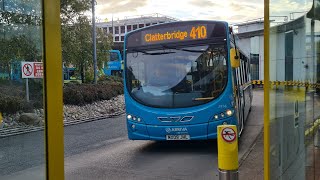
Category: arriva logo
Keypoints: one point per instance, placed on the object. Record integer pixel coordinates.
(169, 130)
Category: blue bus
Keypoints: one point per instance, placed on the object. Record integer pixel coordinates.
(69, 75)
(114, 66)
(15, 71)
(183, 79)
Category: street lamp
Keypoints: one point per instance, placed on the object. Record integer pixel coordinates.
(94, 42)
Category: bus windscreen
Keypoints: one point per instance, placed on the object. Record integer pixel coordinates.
(175, 65)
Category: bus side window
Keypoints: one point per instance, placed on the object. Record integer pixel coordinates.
(242, 72)
(238, 76)
(247, 69)
(247, 72)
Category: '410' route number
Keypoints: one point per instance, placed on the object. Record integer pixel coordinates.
(199, 32)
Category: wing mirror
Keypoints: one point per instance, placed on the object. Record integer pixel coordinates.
(234, 58)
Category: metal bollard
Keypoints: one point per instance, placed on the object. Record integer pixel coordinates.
(228, 164)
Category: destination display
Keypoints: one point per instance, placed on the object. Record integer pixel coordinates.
(181, 33)
(176, 32)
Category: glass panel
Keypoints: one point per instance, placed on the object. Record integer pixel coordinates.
(129, 28)
(194, 72)
(122, 30)
(22, 153)
(135, 27)
(294, 104)
(116, 29)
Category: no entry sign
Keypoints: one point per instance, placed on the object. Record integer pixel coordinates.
(32, 69)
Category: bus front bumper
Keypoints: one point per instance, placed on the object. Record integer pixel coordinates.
(138, 131)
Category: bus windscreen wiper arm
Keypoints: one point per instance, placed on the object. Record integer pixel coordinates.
(155, 53)
(202, 99)
(188, 50)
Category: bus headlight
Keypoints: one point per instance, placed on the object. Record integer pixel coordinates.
(229, 112)
(222, 115)
(134, 118)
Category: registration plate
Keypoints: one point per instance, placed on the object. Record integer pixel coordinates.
(178, 137)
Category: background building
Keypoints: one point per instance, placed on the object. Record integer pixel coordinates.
(251, 37)
(118, 28)
(250, 34)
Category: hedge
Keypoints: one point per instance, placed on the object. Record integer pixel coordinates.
(12, 95)
(81, 94)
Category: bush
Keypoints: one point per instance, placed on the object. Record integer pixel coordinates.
(81, 94)
(107, 79)
(89, 76)
(12, 104)
(13, 96)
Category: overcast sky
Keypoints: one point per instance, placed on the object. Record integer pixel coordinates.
(228, 10)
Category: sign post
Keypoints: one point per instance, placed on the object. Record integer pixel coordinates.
(227, 138)
(31, 70)
(27, 89)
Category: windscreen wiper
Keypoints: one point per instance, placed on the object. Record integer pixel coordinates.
(202, 99)
(188, 50)
(155, 53)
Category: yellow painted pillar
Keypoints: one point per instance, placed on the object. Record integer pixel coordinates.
(227, 138)
(266, 117)
(1, 125)
(53, 90)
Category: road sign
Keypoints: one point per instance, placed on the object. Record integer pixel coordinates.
(228, 134)
(38, 70)
(32, 69)
(27, 70)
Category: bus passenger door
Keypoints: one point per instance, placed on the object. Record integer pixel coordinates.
(236, 64)
(239, 98)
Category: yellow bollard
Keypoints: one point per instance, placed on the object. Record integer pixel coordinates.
(228, 164)
(1, 125)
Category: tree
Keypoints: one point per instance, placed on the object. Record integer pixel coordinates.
(20, 34)
(77, 37)
(104, 44)
(17, 48)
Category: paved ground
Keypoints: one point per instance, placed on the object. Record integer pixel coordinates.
(101, 150)
(313, 154)
(105, 153)
(251, 163)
